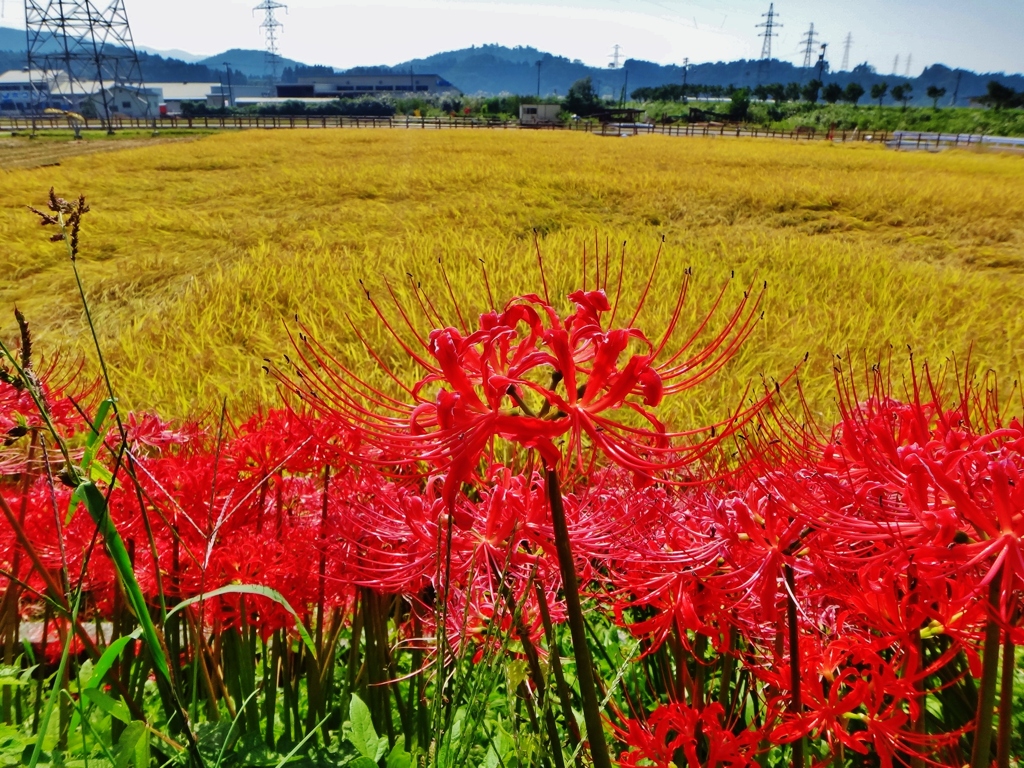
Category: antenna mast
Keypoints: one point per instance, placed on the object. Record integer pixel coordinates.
(810, 42)
(75, 49)
(846, 52)
(270, 26)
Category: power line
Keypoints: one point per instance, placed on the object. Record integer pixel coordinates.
(846, 52)
(270, 25)
(811, 42)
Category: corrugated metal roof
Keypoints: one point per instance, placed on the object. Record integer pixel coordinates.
(184, 91)
(22, 76)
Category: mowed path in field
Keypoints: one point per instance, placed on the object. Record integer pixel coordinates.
(45, 151)
(197, 256)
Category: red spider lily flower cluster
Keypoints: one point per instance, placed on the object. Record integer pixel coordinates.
(833, 587)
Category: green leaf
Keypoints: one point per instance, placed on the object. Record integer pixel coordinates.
(127, 745)
(77, 497)
(13, 674)
(363, 735)
(362, 762)
(113, 707)
(89, 467)
(97, 506)
(100, 473)
(253, 589)
(106, 661)
(95, 437)
(516, 673)
(399, 758)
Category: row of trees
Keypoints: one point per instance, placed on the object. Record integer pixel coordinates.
(1000, 96)
(810, 92)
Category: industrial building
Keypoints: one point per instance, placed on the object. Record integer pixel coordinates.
(341, 86)
(23, 92)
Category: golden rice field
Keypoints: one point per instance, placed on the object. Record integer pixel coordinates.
(197, 256)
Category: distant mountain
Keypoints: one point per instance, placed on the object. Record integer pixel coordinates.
(156, 68)
(174, 53)
(250, 62)
(492, 69)
(12, 39)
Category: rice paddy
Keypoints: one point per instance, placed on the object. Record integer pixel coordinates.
(197, 256)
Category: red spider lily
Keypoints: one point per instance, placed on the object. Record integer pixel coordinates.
(701, 737)
(856, 699)
(533, 377)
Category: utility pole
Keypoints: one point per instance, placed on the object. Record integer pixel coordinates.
(625, 87)
(538, 78)
(686, 66)
(270, 25)
(811, 42)
(846, 52)
(231, 98)
(821, 61)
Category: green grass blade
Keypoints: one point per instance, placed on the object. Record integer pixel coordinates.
(253, 589)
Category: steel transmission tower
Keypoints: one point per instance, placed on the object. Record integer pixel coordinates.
(910, 57)
(270, 26)
(896, 64)
(615, 55)
(769, 26)
(846, 52)
(810, 43)
(76, 49)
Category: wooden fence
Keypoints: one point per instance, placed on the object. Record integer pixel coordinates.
(921, 140)
(895, 139)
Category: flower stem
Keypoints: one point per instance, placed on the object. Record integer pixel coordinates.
(796, 702)
(577, 627)
(1006, 704)
(981, 753)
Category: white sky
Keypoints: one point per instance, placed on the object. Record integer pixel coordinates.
(983, 35)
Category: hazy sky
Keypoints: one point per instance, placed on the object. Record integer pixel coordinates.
(983, 35)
